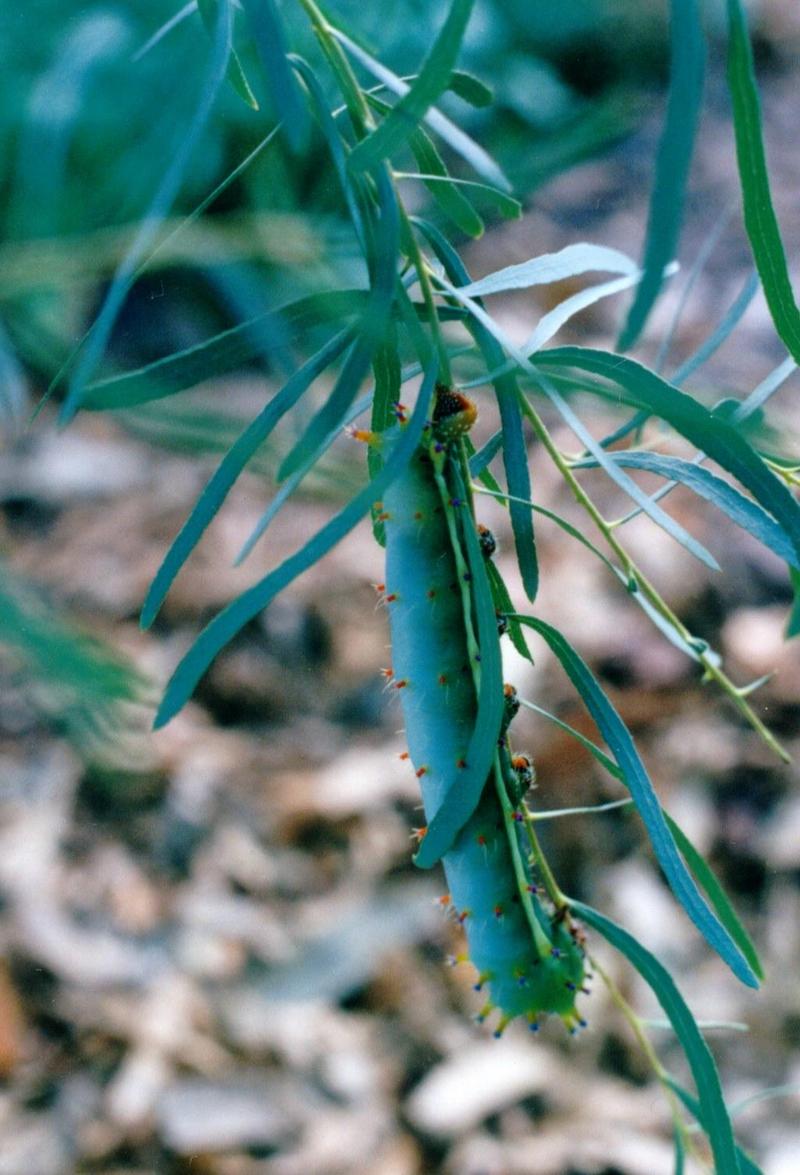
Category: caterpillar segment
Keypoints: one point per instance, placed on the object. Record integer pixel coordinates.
(528, 961)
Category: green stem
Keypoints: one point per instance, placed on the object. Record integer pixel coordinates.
(637, 1027)
(641, 583)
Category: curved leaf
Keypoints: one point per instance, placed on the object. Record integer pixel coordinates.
(229, 469)
(743, 511)
(570, 261)
(223, 352)
(97, 339)
(431, 82)
(621, 745)
(233, 618)
(709, 431)
(746, 1164)
(715, 1119)
(672, 164)
(268, 33)
(716, 895)
(371, 329)
(759, 214)
(457, 139)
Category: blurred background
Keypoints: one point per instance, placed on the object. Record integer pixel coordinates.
(217, 957)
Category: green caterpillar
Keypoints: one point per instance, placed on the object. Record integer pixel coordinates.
(528, 956)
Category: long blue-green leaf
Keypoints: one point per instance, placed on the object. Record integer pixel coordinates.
(503, 603)
(622, 747)
(327, 123)
(463, 796)
(236, 75)
(759, 214)
(709, 431)
(371, 330)
(486, 454)
(233, 618)
(730, 320)
(674, 529)
(222, 352)
(612, 470)
(431, 82)
(460, 142)
(440, 184)
(289, 486)
(161, 203)
(13, 389)
(746, 1164)
(515, 455)
(552, 322)
(470, 89)
(270, 40)
(714, 1114)
(672, 163)
(229, 469)
(793, 623)
(570, 261)
(743, 511)
(716, 896)
(596, 752)
(437, 179)
(194, 215)
(767, 388)
(179, 17)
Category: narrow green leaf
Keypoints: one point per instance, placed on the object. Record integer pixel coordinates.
(233, 618)
(229, 469)
(463, 795)
(455, 138)
(622, 747)
(470, 89)
(672, 163)
(709, 431)
(480, 460)
(437, 178)
(596, 752)
(503, 603)
(349, 183)
(715, 1119)
(222, 352)
(431, 82)
(730, 320)
(716, 896)
(743, 511)
(268, 33)
(759, 214)
(97, 339)
(515, 455)
(612, 470)
(746, 1165)
(386, 244)
(568, 262)
(793, 623)
(177, 19)
(446, 194)
(236, 75)
(289, 486)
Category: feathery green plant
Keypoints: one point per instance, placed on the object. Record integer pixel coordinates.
(407, 313)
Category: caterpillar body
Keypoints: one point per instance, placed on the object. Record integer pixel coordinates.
(526, 955)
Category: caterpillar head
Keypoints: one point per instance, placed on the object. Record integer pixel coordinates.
(453, 413)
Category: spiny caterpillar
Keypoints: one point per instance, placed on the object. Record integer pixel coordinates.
(527, 954)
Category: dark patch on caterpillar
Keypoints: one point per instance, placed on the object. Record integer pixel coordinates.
(453, 413)
(487, 541)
